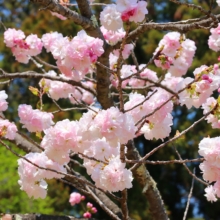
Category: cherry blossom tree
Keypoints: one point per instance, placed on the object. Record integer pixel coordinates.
(119, 100)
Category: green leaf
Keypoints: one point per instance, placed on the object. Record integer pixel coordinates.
(35, 91)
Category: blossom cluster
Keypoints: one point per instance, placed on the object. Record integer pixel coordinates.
(213, 118)
(175, 53)
(209, 148)
(76, 56)
(113, 15)
(199, 90)
(32, 178)
(214, 39)
(3, 102)
(76, 198)
(98, 135)
(157, 125)
(34, 120)
(7, 129)
(22, 47)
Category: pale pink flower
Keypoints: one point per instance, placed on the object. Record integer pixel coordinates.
(112, 37)
(59, 140)
(32, 178)
(136, 14)
(125, 52)
(210, 172)
(157, 130)
(12, 37)
(214, 39)
(34, 120)
(110, 18)
(115, 126)
(115, 177)
(57, 89)
(35, 45)
(20, 55)
(3, 103)
(49, 39)
(210, 193)
(7, 129)
(135, 99)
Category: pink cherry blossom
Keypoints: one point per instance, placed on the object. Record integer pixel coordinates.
(59, 140)
(57, 89)
(7, 129)
(112, 37)
(115, 126)
(34, 120)
(75, 198)
(87, 215)
(3, 103)
(12, 37)
(32, 178)
(115, 176)
(110, 18)
(214, 39)
(210, 194)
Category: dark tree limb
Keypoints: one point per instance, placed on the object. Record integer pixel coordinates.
(103, 76)
(150, 189)
(32, 74)
(54, 6)
(182, 27)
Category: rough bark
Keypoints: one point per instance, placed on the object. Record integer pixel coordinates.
(102, 76)
(148, 184)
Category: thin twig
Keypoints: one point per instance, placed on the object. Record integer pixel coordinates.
(189, 197)
(45, 63)
(189, 171)
(102, 205)
(172, 139)
(158, 162)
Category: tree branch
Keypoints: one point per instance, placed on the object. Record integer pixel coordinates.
(54, 6)
(32, 74)
(150, 190)
(181, 27)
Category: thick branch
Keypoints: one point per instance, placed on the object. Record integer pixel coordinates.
(150, 190)
(54, 6)
(103, 81)
(182, 27)
(32, 74)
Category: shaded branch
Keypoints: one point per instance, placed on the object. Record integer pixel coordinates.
(181, 27)
(148, 185)
(32, 74)
(54, 6)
